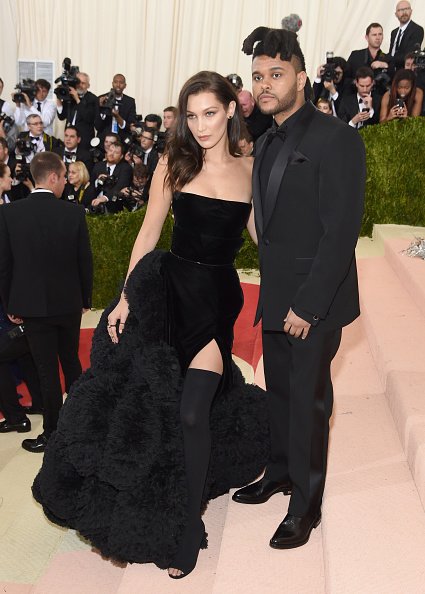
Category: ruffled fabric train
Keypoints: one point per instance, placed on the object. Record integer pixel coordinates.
(114, 469)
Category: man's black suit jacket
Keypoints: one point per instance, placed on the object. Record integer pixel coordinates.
(127, 110)
(349, 106)
(412, 36)
(362, 57)
(306, 244)
(45, 257)
(86, 114)
(124, 174)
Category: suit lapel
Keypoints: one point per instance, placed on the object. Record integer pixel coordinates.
(281, 162)
(256, 194)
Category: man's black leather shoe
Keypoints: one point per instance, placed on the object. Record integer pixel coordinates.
(294, 531)
(21, 427)
(35, 445)
(33, 410)
(261, 491)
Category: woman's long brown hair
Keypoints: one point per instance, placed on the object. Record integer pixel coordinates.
(185, 157)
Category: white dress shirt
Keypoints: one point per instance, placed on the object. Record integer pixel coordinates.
(47, 114)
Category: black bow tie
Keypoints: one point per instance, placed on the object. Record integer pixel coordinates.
(69, 155)
(36, 138)
(276, 132)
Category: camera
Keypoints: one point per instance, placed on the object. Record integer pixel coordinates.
(382, 80)
(24, 172)
(28, 87)
(160, 141)
(329, 69)
(110, 102)
(99, 209)
(419, 59)
(25, 146)
(96, 152)
(400, 103)
(7, 122)
(67, 79)
(107, 182)
(132, 143)
(131, 199)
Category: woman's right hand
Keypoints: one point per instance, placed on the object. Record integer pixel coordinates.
(117, 319)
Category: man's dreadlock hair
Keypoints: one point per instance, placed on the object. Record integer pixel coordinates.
(270, 42)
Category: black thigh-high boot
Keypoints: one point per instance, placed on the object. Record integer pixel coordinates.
(198, 394)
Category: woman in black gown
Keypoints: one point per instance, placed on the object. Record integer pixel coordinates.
(163, 421)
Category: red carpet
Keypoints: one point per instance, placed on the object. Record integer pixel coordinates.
(246, 346)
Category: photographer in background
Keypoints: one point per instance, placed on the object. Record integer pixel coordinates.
(107, 180)
(136, 195)
(169, 118)
(404, 99)
(255, 121)
(415, 61)
(371, 56)
(40, 105)
(73, 150)
(331, 82)
(81, 111)
(361, 108)
(116, 111)
(21, 179)
(8, 128)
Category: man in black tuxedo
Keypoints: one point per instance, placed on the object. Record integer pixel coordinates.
(371, 56)
(308, 186)
(107, 180)
(361, 108)
(46, 281)
(73, 150)
(81, 111)
(123, 113)
(407, 37)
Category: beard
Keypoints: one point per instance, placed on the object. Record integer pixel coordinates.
(283, 105)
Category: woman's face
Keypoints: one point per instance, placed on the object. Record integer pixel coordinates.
(207, 118)
(403, 88)
(6, 181)
(324, 107)
(73, 175)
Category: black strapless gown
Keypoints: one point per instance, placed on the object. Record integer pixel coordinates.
(114, 469)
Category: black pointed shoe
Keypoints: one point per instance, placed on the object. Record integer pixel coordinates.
(294, 531)
(22, 427)
(33, 410)
(261, 491)
(35, 445)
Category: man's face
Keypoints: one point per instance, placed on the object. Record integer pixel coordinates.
(3, 153)
(108, 141)
(275, 85)
(35, 126)
(375, 37)
(114, 154)
(364, 86)
(409, 64)
(59, 182)
(146, 140)
(245, 147)
(41, 93)
(84, 83)
(70, 139)
(247, 104)
(403, 12)
(118, 84)
(168, 119)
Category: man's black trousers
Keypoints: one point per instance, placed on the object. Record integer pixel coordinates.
(300, 400)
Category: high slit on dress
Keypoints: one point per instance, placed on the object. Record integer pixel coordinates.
(114, 469)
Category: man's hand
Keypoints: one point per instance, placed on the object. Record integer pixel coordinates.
(320, 71)
(74, 94)
(362, 116)
(378, 64)
(296, 326)
(330, 86)
(367, 101)
(117, 116)
(15, 319)
(99, 200)
(102, 100)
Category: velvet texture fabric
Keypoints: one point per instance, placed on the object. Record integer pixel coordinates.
(114, 469)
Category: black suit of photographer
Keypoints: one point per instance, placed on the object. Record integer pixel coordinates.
(127, 110)
(124, 176)
(84, 114)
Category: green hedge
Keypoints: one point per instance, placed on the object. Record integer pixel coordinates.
(395, 193)
(395, 186)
